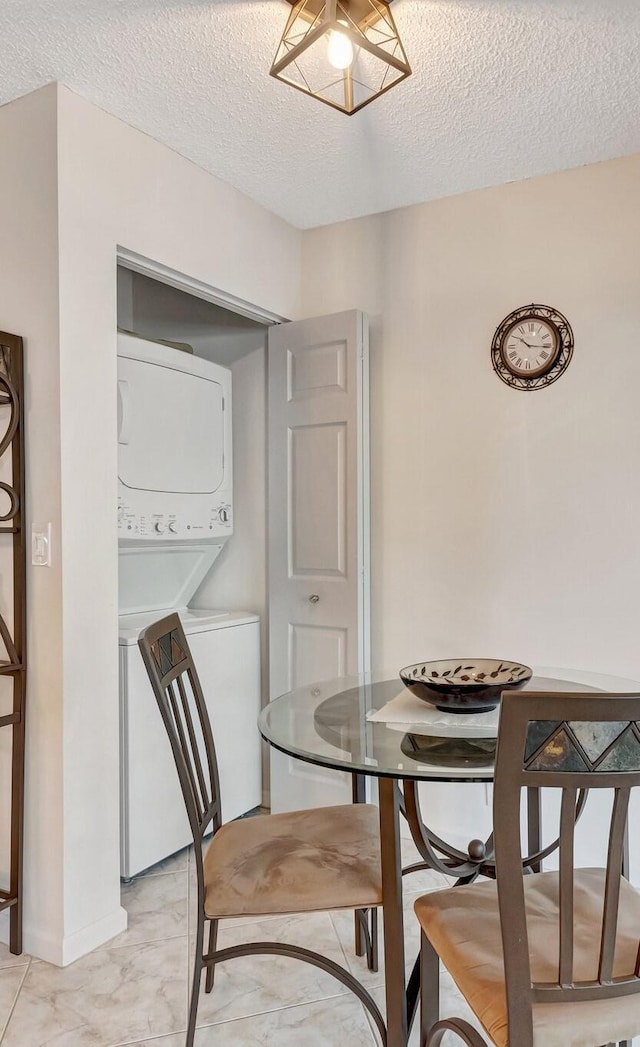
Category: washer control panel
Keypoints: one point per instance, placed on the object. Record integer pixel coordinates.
(216, 522)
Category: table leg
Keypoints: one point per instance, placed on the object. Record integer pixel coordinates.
(397, 1023)
(359, 795)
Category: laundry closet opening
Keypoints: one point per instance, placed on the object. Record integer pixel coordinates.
(192, 535)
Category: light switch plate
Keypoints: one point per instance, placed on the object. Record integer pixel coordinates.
(41, 545)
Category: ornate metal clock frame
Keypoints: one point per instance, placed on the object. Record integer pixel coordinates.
(559, 361)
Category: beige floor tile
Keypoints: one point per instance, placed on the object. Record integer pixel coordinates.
(175, 1039)
(7, 959)
(174, 863)
(156, 907)
(335, 1022)
(256, 984)
(112, 996)
(343, 923)
(327, 1023)
(11, 979)
(425, 879)
(452, 1004)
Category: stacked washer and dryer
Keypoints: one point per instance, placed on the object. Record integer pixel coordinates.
(175, 513)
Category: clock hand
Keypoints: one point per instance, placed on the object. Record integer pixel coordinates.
(519, 339)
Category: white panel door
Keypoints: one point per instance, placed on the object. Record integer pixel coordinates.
(318, 524)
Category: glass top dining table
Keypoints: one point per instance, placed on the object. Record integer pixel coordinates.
(329, 723)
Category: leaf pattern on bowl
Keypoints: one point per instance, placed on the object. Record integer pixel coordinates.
(503, 673)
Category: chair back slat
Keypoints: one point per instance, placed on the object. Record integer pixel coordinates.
(569, 743)
(612, 884)
(194, 746)
(178, 717)
(567, 824)
(179, 695)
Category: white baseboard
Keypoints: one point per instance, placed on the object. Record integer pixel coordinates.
(89, 938)
(63, 952)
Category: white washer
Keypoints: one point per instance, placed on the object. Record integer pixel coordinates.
(226, 651)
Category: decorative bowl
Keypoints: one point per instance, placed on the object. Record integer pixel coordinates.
(469, 685)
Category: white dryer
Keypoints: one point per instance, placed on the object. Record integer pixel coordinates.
(175, 472)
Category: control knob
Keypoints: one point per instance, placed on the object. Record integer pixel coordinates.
(224, 516)
(173, 528)
(159, 527)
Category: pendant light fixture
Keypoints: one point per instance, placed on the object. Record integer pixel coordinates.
(346, 53)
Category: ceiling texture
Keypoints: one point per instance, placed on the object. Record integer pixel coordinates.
(501, 90)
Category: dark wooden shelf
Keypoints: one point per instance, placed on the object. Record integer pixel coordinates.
(14, 665)
(6, 668)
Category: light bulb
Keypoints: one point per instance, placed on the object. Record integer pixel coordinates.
(340, 50)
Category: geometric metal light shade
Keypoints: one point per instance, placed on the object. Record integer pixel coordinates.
(346, 53)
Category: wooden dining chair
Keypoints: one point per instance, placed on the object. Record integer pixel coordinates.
(299, 862)
(550, 959)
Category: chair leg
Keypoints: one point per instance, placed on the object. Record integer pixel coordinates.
(366, 935)
(211, 967)
(197, 976)
(429, 988)
(372, 953)
(360, 945)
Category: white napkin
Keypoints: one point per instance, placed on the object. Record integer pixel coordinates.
(406, 712)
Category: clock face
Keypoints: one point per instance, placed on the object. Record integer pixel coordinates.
(530, 347)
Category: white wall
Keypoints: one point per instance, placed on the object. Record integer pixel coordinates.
(29, 307)
(115, 186)
(504, 523)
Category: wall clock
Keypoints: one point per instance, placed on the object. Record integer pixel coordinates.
(532, 347)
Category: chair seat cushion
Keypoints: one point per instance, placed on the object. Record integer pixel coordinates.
(463, 925)
(302, 861)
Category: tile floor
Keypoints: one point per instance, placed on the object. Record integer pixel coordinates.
(134, 990)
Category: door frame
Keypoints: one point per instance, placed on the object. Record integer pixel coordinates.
(364, 500)
(166, 275)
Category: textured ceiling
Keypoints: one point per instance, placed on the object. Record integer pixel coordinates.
(502, 89)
